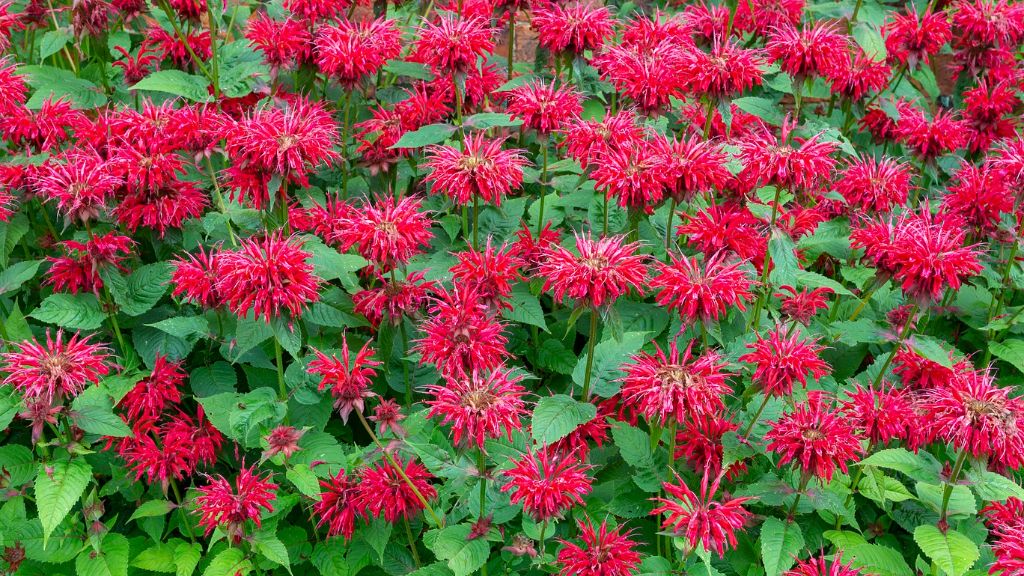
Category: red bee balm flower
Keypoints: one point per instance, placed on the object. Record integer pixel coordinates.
(781, 360)
(351, 51)
(700, 518)
(460, 335)
(815, 437)
(701, 293)
(575, 28)
(394, 299)
(479, 407)
(156, 392)
(349, 380)
(453, 44)
(221, 505)
(337, 507)
(267, 276)
(881, 415)
(910, 38)
(385, 232)
(544, 107)
(769, 160)
(382, 491)
(870, 185)
(604, 552)
(482, 170)
(816, 50)
(55, 370)
(195, 277)
(822, 566)
(675, 387)
(604, 270)
(547, 485)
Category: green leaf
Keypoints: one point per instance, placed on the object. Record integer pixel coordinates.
(953, 552)
(186, 558)
(190, 86)
(52, 42)
(409, 69)
(525, 308)
(931, 348)
(75, 311)
(304, 479)
(230, 562)
(17, 274)
(917, 466)
(815, 280)
(990, 486)
(876, 559)
(152, 508)
(784, 263)
(56, 83)
(1010, 351)
(609, 357)
(17, 461)
(377, 533)
(425, 136)
(763, 108)
(59, 485)
(270, 546)
(557, 416)
(159, 558)
(781, 542)
(183, 326)
(452, 545)
(111, 560)
(93, 411)
(870, 40)
(485, 120)
(142, 289)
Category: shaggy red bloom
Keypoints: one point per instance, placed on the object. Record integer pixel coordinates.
(57, 369)
(880, 124)
(674, 387)
(988, 113)
(815, 437)
(648, 31)
(604, 552)
(924, 252)
(547, 485)
(649, 76)
(870, 185)
(692, 166)
(727, 70)
(13, 91)
(45, 128)
(161, 208)
(823, 566)
(452, 44)
(337, 508)
(603, 270)
(910, 38)
(79, 181)
(815, 50)
(726, 227)
(919, 373)
(976, 416)
(770, 160)
(481, 170)
(637, 176)
(1008, 161)
(700, 518)
(350, 51)
(157, 462)
(490, 272)
(385, 232)
(136, 67)
(528, 250)
(544, 107)
(763, 17)
(394, 299)
(575, 27)
(1008, 549)
(460, 336)
(155, 393)
(588, 140)
(388, 416)
(348, 378)
(980, 197)
(382, 491)
(221, 505)
(699, 441)
(267, 276)
(313, 10)
(862, 76)
(289, 142)
(701, 293)
(781, 360)
(929, 139)
(283, 43)
(80, 268)
(881, 415)
(803, 305)
(201, 438)
(283, 440)
(989, 22)
(195, 278)
(479, 406)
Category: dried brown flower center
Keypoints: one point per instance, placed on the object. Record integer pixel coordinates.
(813, 435)
(479, 400)
(676, 376)
(286, 142)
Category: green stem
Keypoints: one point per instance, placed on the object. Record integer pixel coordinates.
(804, 479)
(282, 390)
(405, 364)
(214, 68)
(668, 230)
(221, 206)
(476, 222)
(181, 510)
(953, 477)
(183, 39)
(899, 343)
(412, 543)
(543, 192)
(511, 40)
(766, 266)
(864, 301)
(760, 409)
(996, 308)
(590, 354)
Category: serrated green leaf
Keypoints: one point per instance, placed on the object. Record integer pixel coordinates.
(52, 42)
(159, 558)
(111, 560)
(920, 466)
(141, 290)
(93, 412)
(781, 542)
(990, 486)
(270, 546)
(304, 479)
(425, 136)
(485, 120)
(877, 559)
(784, 262)
(932, 349)
(952, 552)
(75, 311)
(525, 308)
(59, 484)
(609, 358)
(183, 326)
(189, 86)
(870, 41)
(1010, 351)
(556, 416)
(230, 562)
(55, 83)
(186, 558)
(452, 545)
(763, 108)
(17, 274)
(152, 508)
